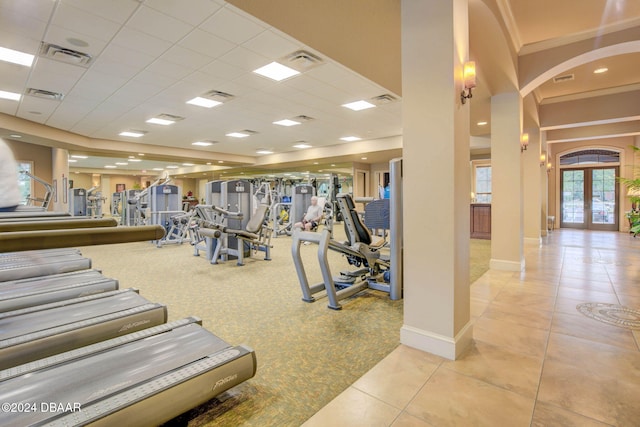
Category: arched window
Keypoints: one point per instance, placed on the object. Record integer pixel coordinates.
(589, 157)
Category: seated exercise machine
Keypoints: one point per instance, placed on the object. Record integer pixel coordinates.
(210, 224)
(39, 203)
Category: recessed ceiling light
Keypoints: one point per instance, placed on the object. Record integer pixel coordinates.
(358, 105)
(600, 70)
(135, 160)
(350, 138)
(110, 166)
(77, 156)
(16, 57)
(15, 135)
(122, 163)
(132, 157)
(276, 71)
(332, 164)
(363, 158)
(157, 169)
(202, 143)
(157, 121)
(287, 174)
(316, 163)
(237, 134)
(10, 95)
(286, 122)
(140, 154)
(264, 152)
(132, 133)
(203, 102)
(302, 146)
(210, 163)
(219, 161)
(188, 164)
(172, 167)
(72, 160)
(482, 123)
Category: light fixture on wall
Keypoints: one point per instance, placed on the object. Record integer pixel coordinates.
(524, 142)
(543, 159)
(469, 80)
(549, 167)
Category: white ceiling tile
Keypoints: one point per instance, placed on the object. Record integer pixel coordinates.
(206, 43)
(272, 45)
(222, 70)
(197, 11)
(31, 104)
(88, 129)
(127, 57)
(169, 69)
(114, 68)
(68, 114)
(54, 76)
(22, 24)
(37, 9)
(59, 35)
(154, 79)
(17, 42)
(114, 10)
(254, 81)
(85, 23)
(244, 59)
(96, 85)
(203, 80)
(134, 93)
(159, 25)
(14, 77)
(232, 26)
(186, 57)
(8, 107)
(136, 40)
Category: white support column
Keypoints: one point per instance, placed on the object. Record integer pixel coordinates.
(531, 185)
(544, 186)
(436, 181)
(60, 172)
(506, 183)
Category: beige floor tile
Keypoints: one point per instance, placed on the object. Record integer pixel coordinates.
(538, 287)
(354, 408)
(496, 365)
(581, 326)
(631, 301)
(626, 289)
(636, 335)
(452, 399)
(591, 285)
(520, 315)
(527, 299)
(399, 376)
(549, 276)
(478, 307)
(546, 415)
(485, 291)
(518, 338)
(586, 295)
(406, 420)
(567, 305)
(600, 276)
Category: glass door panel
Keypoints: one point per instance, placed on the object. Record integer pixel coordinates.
(573, 191)
(589, 198)
(604, 209)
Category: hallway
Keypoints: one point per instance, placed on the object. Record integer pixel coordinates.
(535, 360)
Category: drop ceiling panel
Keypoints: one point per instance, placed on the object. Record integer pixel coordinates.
(133, 93)
(114, 68)
(114, 10)
(8, 107)
(202, 80)
(59, 35)
(83, 22)
(194, 14)
(29, 104)
(206, 43)
(222, 70)
(169, 69)
(55, 76)
(126, 57)
(68, 114)
(254, 81)
(98, 86)
(141, 42)
(272, 45)
(245, 59)
(32, 8)
(153, 79)
(14, 77)
(19, 42)
(330, 93)
(232, 26)
(186, 57)
(17, 21)
(158, 25)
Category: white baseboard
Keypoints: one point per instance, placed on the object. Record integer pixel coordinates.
(501, 264)
(532, 241)
(437, 344)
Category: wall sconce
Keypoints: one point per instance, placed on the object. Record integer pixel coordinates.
(524, 142)
(549, 167)
(469, 80)
(543, 159)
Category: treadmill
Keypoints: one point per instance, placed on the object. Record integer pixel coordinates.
(145, 378)
(41, 331)
(17, 294)
(42, 266)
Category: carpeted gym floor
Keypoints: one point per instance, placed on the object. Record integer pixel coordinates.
(307, 354)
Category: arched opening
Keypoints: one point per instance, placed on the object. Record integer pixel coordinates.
(589, 191)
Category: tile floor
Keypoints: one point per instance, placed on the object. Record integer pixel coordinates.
(535, 360)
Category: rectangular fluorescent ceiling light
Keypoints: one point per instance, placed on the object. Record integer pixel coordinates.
(122, 163)
(276, 71)
(302, 146)
(350, 138)
(163, 122)
(237, 135)
(16, 57)
(203, 102)
(132, 133)
(157, 169)
(77, 156)
(188, 164)
(172, 167)
(72, 160)
(110, 166)
(135, 160)
(264, 152)
(202, 143)
(358, 105)
(10, 95)
(286, 122)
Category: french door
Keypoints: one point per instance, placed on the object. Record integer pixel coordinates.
(589, 198)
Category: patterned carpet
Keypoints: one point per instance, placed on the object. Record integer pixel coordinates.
(307, 354)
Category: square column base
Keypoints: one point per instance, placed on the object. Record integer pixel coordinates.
(440, 345)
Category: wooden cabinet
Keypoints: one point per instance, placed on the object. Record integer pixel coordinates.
(481, 221)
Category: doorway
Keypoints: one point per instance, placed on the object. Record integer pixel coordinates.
(589, 198)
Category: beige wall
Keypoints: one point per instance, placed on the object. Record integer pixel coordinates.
(41, 158)
(627, 165)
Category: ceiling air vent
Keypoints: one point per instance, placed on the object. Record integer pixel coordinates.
(170, 117)
(249, 131)
(564, 78)
(383, 99)
(302, 60)
(216, 95)
(64, 54)
(302, 118)
(46, 94)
